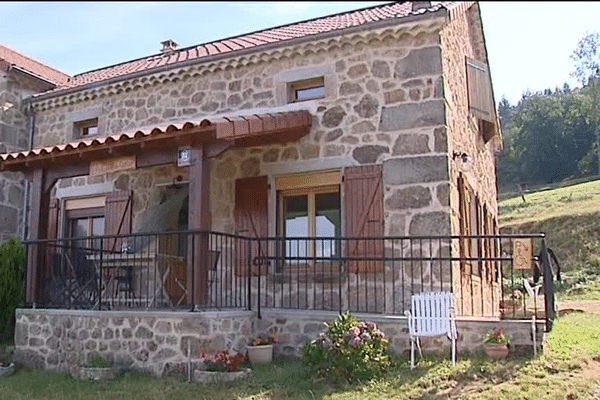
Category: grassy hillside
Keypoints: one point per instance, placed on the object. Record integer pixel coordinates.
(570, 218)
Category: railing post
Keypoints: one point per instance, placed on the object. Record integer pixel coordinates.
(259, 280)
(548, 287)
(248, 269)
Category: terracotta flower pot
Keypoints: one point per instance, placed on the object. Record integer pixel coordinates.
(7, 370)
(496, 351)
(260, 354)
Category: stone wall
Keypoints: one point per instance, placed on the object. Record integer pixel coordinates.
(14, 136)
(159, 341)
(154, 341)
(383, 106)
(459, 39)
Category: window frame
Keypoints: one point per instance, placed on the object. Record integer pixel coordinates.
(83, 127)
(310, 185)
(306, 84)
(83, 208)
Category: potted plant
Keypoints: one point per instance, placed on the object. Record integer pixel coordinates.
(7, 367)
(97, 368)
(496, 344)
(260, 349)
(221, 367)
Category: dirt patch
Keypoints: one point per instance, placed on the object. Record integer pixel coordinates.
(591, 306)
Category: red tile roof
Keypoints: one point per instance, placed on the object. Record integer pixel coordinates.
(11, 57)
(279, 34)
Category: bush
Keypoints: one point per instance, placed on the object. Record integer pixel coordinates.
(12, 265)
(349, 350)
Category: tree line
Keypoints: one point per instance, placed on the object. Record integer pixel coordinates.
(552, 135)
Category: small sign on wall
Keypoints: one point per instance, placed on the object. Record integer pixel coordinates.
(112, 165)
(523, 254)
(183, 157)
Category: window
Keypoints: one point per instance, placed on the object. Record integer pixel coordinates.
(309, 213)
(308, 89)
(87, 128)
(481, 101)
(84, 220)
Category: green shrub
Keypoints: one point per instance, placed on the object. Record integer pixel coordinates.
(12, 265)
(349, 350)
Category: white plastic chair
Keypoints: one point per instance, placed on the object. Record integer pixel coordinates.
(432, 315)
(533, 294)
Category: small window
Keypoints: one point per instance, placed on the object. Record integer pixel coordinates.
(308, 89)
(87, 128)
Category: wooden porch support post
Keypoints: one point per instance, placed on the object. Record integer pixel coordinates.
(199, 219)
(40, 201)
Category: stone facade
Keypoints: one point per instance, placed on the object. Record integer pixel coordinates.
(381, 107)
(395, 96)
(14, 136)
(163, 342)
(459, 39)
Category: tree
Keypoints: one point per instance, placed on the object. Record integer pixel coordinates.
(586, 69)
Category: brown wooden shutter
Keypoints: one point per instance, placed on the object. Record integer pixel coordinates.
(52, 234)
(117, 218)
(481, 102)
(363, 216)
(251, 220)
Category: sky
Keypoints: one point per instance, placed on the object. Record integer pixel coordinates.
(528, 43)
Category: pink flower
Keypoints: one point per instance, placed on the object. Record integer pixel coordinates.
(354, 332)
(355, 341)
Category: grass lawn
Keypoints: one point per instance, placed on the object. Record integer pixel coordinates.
(570, 218)
(569, 367)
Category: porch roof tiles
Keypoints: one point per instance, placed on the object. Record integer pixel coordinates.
(239, 131)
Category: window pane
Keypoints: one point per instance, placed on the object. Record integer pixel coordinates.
(296, 225)
(310, 93)
(97, 230)
(90, 130)
(327, 223)
(79, 228)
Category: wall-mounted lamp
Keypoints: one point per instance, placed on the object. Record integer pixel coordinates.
(463, 157)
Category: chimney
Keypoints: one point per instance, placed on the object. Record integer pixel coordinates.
(168, 46)
(418, 5)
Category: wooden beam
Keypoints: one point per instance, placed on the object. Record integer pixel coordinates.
(156, 157)
(199, 219)
(216, 149)
(65, 171)
(40, 202)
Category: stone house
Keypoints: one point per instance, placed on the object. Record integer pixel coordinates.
(366, 132)
(20, 78)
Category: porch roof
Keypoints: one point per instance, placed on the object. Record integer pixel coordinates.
(239, 131)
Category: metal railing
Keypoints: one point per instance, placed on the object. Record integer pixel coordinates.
(210, 270)
(144, 271)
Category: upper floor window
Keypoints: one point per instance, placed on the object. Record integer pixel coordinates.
(481, 101)
(87, 128)
(307, 89)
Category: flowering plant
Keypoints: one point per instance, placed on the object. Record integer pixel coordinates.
(349, 350)
(497, 336)
(264, 339)
(222, 361)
